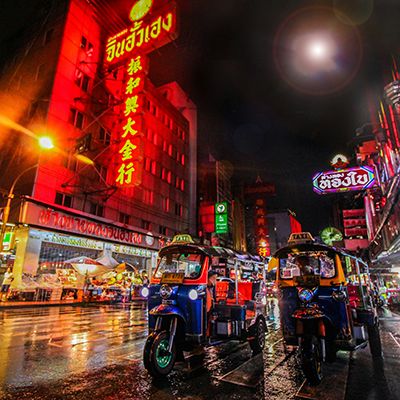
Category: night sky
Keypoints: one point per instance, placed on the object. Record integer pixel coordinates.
(248, 112)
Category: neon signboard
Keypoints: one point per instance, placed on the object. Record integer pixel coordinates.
(130, 148)
(127, 49)
(344, 180)
(143, 37)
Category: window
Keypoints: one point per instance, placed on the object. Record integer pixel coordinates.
(146, 225)
(63, 199)
(104, 136)
(86, 45)
(124, 218)
(148, 196)
(182, 187)
(164, 174)
(182, 159)
(170, 150)
(178, 210)
(83, 81)
(310, 264)
(40, 71)
(156, 139)
(166, 204)
(154, 167)
(165, 145)
(149, 135)
(169, 177)
(177, 182)
(96, 209)
(84, 42)
(76, 118)
(147, 164)
(162, 230)
(48, 36)
(188, 264)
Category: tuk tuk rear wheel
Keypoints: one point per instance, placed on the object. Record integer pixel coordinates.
(160, 359)
(311, 360)
(374, 339)
(257, 343)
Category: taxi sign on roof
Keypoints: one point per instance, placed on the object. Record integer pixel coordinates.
(301, 237)
(182, 239)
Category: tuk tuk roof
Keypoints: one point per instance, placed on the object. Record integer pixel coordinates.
(300, 247)
(211, 251)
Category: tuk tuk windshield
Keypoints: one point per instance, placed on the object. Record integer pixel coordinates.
(307, 264)
(190, 264)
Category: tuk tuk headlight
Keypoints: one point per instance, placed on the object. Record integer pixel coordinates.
(305, 295)
(145, 292)
(165, 291)
(193, 294)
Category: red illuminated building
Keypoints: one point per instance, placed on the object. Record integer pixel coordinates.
(80, 75)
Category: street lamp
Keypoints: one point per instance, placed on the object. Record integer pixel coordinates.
(45, 143)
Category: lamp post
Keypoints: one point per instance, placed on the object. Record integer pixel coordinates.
(45, 143)
(10, 196)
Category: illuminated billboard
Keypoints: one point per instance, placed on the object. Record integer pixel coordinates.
(344, 180)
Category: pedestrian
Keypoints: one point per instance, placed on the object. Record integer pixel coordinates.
(210, 297)
(5, 287)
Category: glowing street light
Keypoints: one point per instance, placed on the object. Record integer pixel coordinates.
(46, 142)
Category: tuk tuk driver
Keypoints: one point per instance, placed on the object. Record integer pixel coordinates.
(303, 263)
(210, 297)
(212, 280)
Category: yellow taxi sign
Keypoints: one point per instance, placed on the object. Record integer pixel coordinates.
(182, 239)
(301, 237)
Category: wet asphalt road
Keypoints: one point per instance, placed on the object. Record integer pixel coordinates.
(95, 352)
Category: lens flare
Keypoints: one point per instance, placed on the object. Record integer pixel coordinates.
(315, 52)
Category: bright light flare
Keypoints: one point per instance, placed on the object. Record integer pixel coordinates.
(317, 51)
(46, 142)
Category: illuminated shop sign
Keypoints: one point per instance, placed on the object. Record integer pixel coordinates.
(72, 241)
(358, 178)
(84, 243)
(128, 48)
(34, 214)
(130, 149)
(144, 36)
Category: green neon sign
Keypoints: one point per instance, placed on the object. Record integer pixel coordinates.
(221, 217)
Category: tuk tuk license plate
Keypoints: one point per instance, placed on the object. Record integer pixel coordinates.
(172, 277)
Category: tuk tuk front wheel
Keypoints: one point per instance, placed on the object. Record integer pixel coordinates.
(160, 360)
(257, 332)
(311, 360)
(374, 339)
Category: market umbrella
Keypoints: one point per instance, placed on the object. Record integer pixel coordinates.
(107, 260)
(87, 266)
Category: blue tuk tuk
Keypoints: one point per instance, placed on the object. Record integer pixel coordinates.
(326, 302)
(177, 302)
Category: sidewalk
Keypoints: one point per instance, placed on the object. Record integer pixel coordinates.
(24, 304)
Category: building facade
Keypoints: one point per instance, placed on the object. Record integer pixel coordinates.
(59, 83)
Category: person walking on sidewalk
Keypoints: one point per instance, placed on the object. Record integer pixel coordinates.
(5, 287)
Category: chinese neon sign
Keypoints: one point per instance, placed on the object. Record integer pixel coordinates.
(149, 32)
(358, 178)
(130, 149)
(143, 37)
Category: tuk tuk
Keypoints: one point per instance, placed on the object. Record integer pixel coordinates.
(178, 300)
(325, 301)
